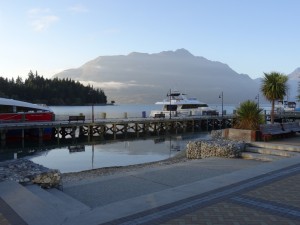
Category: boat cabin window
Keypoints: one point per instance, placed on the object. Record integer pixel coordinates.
(292, 104)
(16, 109)
(193, 106)
(171, 107)
(6, 109)
(24, 109)
(174, 94)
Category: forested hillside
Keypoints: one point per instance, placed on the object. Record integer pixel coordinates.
(37, 89)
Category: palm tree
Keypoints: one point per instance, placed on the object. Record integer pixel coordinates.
(248, 116)
(274, 87)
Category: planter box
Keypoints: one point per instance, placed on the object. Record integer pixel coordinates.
(240, 135)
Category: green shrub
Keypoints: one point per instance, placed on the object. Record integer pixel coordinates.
(248, 116)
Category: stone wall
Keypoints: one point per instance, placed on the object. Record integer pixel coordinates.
(25, 172)
(217, 147)
(240, 134)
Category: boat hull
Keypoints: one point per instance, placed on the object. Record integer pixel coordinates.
(18, 134)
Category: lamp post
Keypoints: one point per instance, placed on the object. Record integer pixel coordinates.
(170, 107)
(93, 146)
(92, 98)
(257, 98)
(93, 112)
(221, 97)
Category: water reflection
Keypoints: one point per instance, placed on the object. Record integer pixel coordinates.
(74, 157)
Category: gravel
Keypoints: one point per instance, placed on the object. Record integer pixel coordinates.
(73, 177)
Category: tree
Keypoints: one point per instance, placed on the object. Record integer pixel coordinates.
(274, 87)
(248, 116)
(37, 89)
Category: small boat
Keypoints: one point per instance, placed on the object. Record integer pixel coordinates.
(14, 111)
(178, 104)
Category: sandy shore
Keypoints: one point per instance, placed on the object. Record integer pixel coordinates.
(69, 178)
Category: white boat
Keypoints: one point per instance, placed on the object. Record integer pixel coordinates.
(14, 111)
(285, 106)
(178, 104)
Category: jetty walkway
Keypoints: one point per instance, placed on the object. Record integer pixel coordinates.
(117, 128)
(104, 129)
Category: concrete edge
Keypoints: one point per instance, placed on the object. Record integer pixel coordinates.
(28, 206)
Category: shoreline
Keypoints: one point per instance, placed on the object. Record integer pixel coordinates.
(87, 175)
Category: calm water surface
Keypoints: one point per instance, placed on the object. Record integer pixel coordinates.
(85, 157)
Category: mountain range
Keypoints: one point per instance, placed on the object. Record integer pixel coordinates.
(147, 78)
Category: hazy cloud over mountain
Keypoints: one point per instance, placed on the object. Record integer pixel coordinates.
(146, 78)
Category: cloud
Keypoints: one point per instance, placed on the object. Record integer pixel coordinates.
(41, 19)
(107, 85)
(78, 9)
(113, 85)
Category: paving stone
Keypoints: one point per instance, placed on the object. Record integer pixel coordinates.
(283, 191)
(225, 213)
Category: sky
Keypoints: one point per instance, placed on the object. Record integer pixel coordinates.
(49, 36)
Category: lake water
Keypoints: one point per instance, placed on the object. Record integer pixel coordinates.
(79, 157)
(76, 158)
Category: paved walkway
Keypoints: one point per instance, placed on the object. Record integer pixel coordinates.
(210, 191)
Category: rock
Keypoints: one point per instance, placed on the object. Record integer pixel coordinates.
(216, 134)
(25, 171)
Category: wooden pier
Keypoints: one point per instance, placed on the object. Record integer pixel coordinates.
(112, 129)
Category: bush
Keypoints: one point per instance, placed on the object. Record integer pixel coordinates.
(248, 116)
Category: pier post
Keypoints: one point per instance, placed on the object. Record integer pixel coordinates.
(57, 133)
(125, 130)
(158, 128)
(137, 130)
(63, 132)
(168, 127)
(23, 138)
(23, 135)
(193, 125)
(73, 134)
(41, 131)
(184, 126)
(176, 127)
(3, 138)
(102, 132)
(90, 132)
(81, 132)
(146, 129)
(114, 131)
